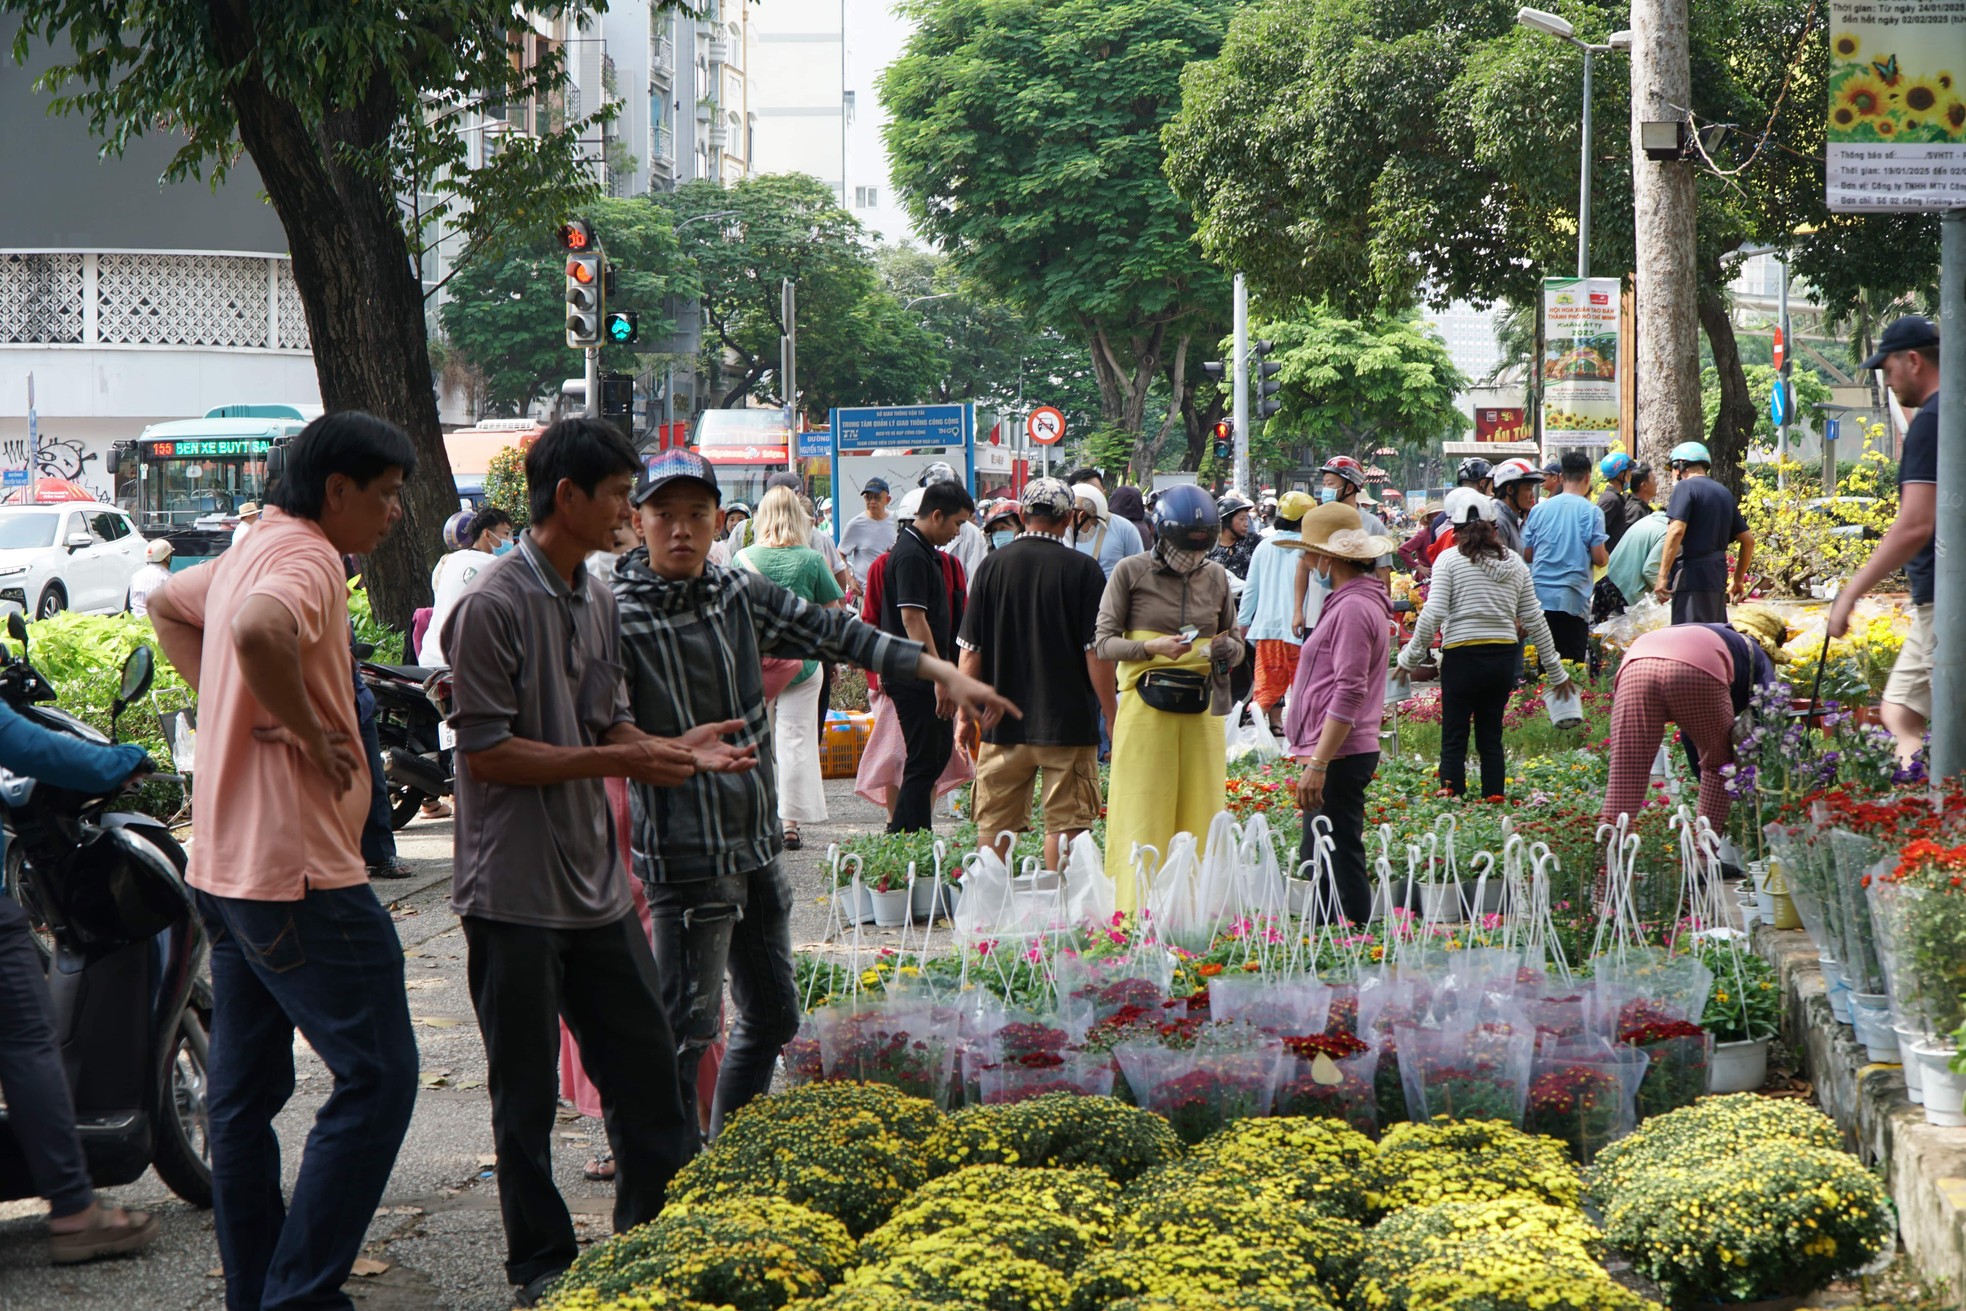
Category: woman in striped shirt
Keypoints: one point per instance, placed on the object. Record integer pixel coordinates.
(1479, 601)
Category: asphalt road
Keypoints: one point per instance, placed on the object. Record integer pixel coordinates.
(436, 1236)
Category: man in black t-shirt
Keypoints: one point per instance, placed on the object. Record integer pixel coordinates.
(1703, 519)
(1908, 353)
(1029, 620)
(916, 603)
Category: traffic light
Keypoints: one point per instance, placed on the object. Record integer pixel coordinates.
(584, 299)
(617, 396)
(621, 327)
(577, 236)
(1216, 371)
(1265, 374)
(1225, 439)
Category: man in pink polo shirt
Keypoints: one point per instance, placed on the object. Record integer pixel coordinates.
(299, 940)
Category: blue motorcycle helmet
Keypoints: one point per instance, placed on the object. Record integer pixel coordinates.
(1185, 517)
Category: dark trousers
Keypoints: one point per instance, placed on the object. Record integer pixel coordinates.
(1344, 806)
(1475, 683)
(39, 1109)
(378, 833)
(1699, 607)
(331, 966)
(705, 928)
(602, 981)
(930, 739)
(1572, 634)
(825, 699)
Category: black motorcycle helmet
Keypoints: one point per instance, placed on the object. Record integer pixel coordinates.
(1185, 517)
(1473, 470)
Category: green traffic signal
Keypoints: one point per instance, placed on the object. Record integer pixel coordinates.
(622, 327)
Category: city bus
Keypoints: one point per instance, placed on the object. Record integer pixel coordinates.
(184, 480)
(747, 446)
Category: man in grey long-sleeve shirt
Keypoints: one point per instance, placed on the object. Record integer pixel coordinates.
(707, 852)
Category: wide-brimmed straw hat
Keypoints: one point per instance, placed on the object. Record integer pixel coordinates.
(1333, 529)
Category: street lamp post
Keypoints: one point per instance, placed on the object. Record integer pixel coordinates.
(1559, 27)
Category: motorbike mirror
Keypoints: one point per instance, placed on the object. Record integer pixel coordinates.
(17, 629)
(138, 670)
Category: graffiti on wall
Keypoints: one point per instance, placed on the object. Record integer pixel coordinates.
(58, 457)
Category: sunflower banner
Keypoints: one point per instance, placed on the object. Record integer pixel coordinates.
(1580, 361)
(1897, 107)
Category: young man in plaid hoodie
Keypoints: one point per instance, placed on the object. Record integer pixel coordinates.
(707, 852)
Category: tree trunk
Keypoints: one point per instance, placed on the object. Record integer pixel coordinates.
(1146, 454)
(1123, 384)
(1733, 425)
(1663, 215)
(361, 293)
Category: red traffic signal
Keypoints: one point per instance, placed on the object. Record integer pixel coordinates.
(577, 234)
(1224, 430)
(580, 270)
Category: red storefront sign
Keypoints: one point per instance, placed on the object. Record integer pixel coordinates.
(1502, 425)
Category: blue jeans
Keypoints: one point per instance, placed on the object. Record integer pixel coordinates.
(740, 926)
(331, 966)
(378, 832)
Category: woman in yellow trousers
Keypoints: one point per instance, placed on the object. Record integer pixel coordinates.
(1169, 620)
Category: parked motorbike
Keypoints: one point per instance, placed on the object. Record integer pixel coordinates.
(416, 746)
(128, 961)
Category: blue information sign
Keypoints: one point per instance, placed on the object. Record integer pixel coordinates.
(13, 477)
(1778, 409)
(900, 427)
(815, 444)
(1830, 429)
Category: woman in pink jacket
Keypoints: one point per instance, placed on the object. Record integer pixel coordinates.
(1338, 697)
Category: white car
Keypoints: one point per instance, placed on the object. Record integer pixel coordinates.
(71, 556)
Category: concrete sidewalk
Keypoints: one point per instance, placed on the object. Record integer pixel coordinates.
(438, 1231)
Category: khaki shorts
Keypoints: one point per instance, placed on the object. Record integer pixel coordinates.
(1910, 684)
(1003, 788)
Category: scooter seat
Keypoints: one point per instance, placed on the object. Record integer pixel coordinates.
(413, 673)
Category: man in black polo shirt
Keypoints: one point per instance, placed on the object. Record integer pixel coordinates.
(1029, 621)
(1908, 353)
(916, 603)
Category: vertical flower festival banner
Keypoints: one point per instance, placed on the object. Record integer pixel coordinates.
(1580, 361)
(1897, 105)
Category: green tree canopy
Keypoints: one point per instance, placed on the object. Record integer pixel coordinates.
(1024, 137)
(350, 113)
(1810, 392)
(1380, 152)
(506, 316)
(856, 346)
(1351, 386)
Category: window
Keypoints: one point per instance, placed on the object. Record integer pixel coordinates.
(28, 529)
(866, 197)
(108, 526)
(72, 525)
(849, 106)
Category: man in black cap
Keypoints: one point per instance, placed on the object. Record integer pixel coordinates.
(1908, 356)
(1552, 478)
(869, 535)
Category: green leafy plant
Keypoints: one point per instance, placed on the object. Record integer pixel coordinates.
(753, 1254)
(1058, 1129)
(849, 1167)
(1742, 1006)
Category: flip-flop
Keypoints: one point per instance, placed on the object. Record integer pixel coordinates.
(600, 1170)
(101, 1238)
(792, 840)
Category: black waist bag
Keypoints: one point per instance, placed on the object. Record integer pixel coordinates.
(1177, 691)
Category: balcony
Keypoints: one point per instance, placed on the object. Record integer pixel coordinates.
(719, 136)
(662, 60)
(719, 51)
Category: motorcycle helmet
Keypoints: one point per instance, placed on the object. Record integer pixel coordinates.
(1514, 471)
(1002, 510)
(1347, 468)
(1611, 466)
(454, 529)
(1466, 504)
(1230, 505)
(1185, 517)
(1691, 453)
(1473, 470)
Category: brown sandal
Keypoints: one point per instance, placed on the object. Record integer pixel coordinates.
(104, 1237)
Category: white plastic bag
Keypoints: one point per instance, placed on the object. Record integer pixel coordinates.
(1089, 895)
(1236, 737)
(1263, 741)
(986, 904)
(1171, 895)
(1218, 890)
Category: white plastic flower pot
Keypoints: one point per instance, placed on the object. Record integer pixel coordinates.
(923, 905)
(1440, 901)
(1914, 1078)
(1945, 1088)
(1298, 894)
(890, 908)
(1870, 1016)
(947, 898)
(856, 904)
(1738, 1066)
(1838, 988)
